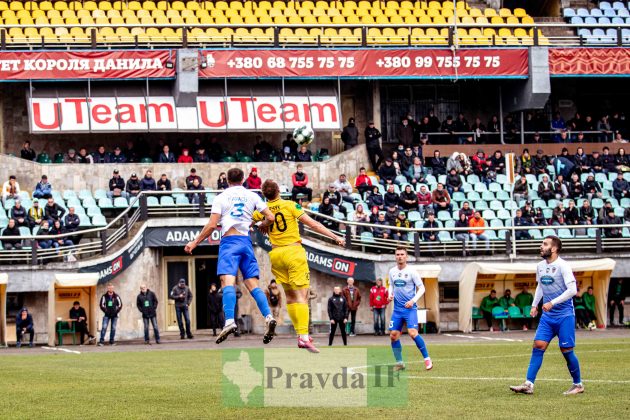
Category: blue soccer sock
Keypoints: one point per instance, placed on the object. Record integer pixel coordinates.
(397, 349)
(534, 364)
(574, 366)
(421, 346)
(261, 300)
(229, 302)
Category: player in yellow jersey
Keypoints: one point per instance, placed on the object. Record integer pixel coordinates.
(288, 257)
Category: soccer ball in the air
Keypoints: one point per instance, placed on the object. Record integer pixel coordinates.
(303, 135)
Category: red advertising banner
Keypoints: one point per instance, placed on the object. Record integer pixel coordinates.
(86, 65)
(589, 61)
(366, 63)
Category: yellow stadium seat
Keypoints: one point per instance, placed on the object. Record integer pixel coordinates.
(489, 32)
(179, 21)
(353, 20)
(527, 20)
(321, 5)
(265, 12)
(290, 12)
(202, 14)
(417, 36)
(286, 35)
(324, 20)
(90, 5)
(223, 5)
(511, 20)
(229, 13)
(332, 12)
(68, 13)
(30, 5)
(78, 34)
(148, 20)
(295, 20)
(117, 21)
(370, 19)
(249, 20)
(519, 12)
(406, 5)
(439, 20)
(162, 5)
(26, 21)
(248, 12)
(162, 20)
(411, 20)
(435, 5)
(280, 20)
(61, 6)
(350, 3)
(101, 21)
(118, 5)
(468, 20)
(338, 20)
(391, 12)
(279, 5)
(261, 35)
(235, 5)
(38, 13)
(242, 35)
(132, 21)
(346, 11)
(380, 20)
(57, 21)
(125, 13)
(489, 12)
(46, 6)
(149, 5)
(462, 12)
(63, 35)
(374, 36)
(462, 5)
(404, 13)
(391, 4)
(329, 36)
(351, 36)
(482, 20)
(304, 36)
(215, 13)
(372, 12)
(196, 35)
(505, 12)
(72, 21)
(362, 12)
(8, 14)
(396, 20)
(21, 14)
(98, 13)
(192, 20)
(266, 20)
(302, 12)
(265, 5)
(112, 13)
(308, 4)
(433, 12)
(193, 5)
(496, 20)
(317, 12)
(365, 5)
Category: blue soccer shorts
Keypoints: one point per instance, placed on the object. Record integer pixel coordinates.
(236, 252)
(562, 327)
(408, 316)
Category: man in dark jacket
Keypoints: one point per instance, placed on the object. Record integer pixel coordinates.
(148, 182)
(111, 305)
(404, 132)
(147, 304)
(182, 296)
(373, 145)
(23, 325)
(101, 156)
(11, 230)
(27, 152)
(164, 184)
(191, 178)
(18, 213)
(53, 211)
(117, 186)
(79, 317)
(387, 172)
(621, 187)
(617, 298)
(43, 189)
(453, 182)
(215, 309)
(350, 135)
(338, 314)
(133, 185)
(353, 299)
(519, 220)
(71, 223)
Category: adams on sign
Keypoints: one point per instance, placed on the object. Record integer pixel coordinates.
(111, 114)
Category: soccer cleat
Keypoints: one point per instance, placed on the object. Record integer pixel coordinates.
(225, 332)
(399, 366)
(575, 389)
(524, 388)
(428, 364)
(270, 330)
(308, 345)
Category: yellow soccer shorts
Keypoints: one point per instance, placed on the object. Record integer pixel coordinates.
(289, 266)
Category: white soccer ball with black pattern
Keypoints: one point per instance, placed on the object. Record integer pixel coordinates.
(303, 135)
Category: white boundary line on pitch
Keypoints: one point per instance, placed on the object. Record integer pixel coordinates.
(484, 338)
(61, 349)
(483, 378)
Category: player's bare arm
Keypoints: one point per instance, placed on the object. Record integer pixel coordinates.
(204, 234)
(321, 229)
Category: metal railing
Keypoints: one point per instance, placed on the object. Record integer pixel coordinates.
(103, 239)
(182, 36)
(497, 138)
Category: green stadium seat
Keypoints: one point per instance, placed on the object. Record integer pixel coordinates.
(83, 194)
(499, 313)
(181, 200)
(487, 195)
(24, 231)
(167, 200)
(146, 160)
(84, 220)
(503, 195)
(105, 203)
(445, 236)
(496, 205)
(99, 220)
(565, 234)
(414, 216)
(98, 194)
(67, 194)
(367, 237)
(514, 312)
(496, 223)
(527, 311)
(121, 203)
(491, 234)
(504, 214)
(152, 201)
(89, 202)
(93, 211)
(459, 196)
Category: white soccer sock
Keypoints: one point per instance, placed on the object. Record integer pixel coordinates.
(229, 321)
(427, 358)
(269, 317)
(530, 383)
(304, 337)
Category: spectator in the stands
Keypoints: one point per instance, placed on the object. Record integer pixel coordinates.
(196, 198)
(373, 145)
(507, 300)
(438, 164)
(545, 189)
(453, 182)
(215, 150)
(466, 210)
(101, 156)
(118, 156)
(622, 161)
(416, 172)
(116, 186)
(387, 172)
(406, 160)
(71, 156)
(592, 189)
(391, 214)
(53, 211)
(289, 148)
(35, 215)
(540, 163)
(425, 200)
(572, 214)
(477, 230)
(201, 156)
(557, 211)
(448, 126)
(408, 199)
(11, 230)
(581, 161)
(431, 235)
(401, 222)
(434, 122)
(619, 139)
(222, 183)
(191, 178)
(375, 199)
(597, 164)
(417, 150)
(519, 220)
(10, 189)
(304, 155)
(185, 157)
(335, 198)
(478, 127)
(253, 181)
(521, 189)
(539, 217)
(494, 126)
(374, 212)
(148, 182)
(604, 126)
(608, 161)
(603, 212)
(575, 187)
(479, 164)
(130, 152)
(510, 129)
(262, 150)
(460, 163)
(621, 187)
(166, 156)
(18, 213)
(382, 228)
(44, 230)
(440, 199)
(344, 188)
(587, 214)
(133, 185)
(164, 184)
(497, 162)
(611, 219)
(462, 235)
(300, 184)
(71, 223)
(391, 198)
(43, 189)
(560, 188)
(360, 216)
(57, 229)
(84, 156)
(528, 211)
(462, 126)
(626, 215)
(363, 183)
(558, 125)
(404, 132)
(27, 152)
(327, 209)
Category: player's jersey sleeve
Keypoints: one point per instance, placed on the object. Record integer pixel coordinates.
(417, 280)
(257, 216)
(567, 274)
(297, 211)
(217, 205)
(259, 204)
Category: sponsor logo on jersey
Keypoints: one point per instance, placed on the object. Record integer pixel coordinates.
(399, 283)
(546, 280)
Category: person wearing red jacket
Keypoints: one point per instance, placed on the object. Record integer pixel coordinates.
(424, 200)
(300, 182)
(253, 182)
(378, 303)
(363, 183)
(185, 158)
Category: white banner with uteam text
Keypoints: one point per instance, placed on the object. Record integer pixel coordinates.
(159, 113)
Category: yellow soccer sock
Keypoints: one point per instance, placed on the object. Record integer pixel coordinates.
(301, 318)
(292, 310)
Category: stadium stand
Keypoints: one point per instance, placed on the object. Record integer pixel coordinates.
(616, 13)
